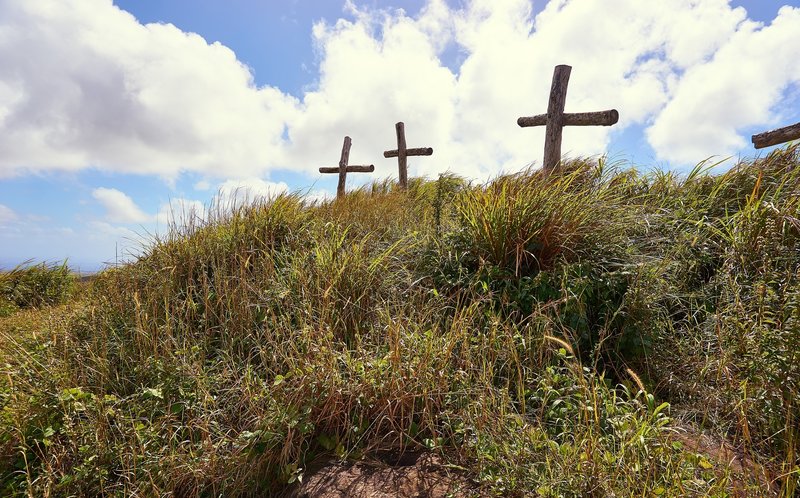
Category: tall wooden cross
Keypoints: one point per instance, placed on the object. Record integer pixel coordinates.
(555, 119)
(775, 137)
(343, 168)
(401, 153)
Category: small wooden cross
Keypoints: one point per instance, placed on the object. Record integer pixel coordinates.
(775, 137)
(343, 168)
(556, 119)
(401, 153)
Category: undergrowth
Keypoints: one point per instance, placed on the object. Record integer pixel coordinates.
(555, 336)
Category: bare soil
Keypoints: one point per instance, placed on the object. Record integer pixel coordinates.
(724, 454)
(417, 475)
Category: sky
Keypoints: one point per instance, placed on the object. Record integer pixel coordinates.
(120, 117)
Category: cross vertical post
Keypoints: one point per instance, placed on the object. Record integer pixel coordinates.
(402, 153)
(555, 120)
(343, 168)
(555, 116)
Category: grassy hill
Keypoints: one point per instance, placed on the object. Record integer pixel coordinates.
(597, 332)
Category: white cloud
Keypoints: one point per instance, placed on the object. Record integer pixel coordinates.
(318, 195)
(180, 213)
(83, 84)
(369, 83)
(7, 214)
(384, 67)
(102, 229)
(202, 185)
(234, 193)
(741, 86)
(119, 207)
(107, 239)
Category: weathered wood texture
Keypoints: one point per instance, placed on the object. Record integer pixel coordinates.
(420, 151)
(343, 168)
(775, 137)
(350, 169)
(402, 152)
(600, 118)
(555, 116)
(555, 120)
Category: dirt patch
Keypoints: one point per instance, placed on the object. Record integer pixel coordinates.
(725, 455)
(418, 475)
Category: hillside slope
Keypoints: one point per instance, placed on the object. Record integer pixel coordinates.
(598, 332)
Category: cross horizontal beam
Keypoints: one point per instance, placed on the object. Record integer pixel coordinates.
(350, 169)
(420, 151)
(775, 137)
(600, 118)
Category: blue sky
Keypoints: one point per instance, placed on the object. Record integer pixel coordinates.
(115, 116)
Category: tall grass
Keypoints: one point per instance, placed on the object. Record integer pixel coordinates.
(552, 336)
(526, 222)
(34, 286)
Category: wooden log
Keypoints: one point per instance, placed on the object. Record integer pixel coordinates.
(555, 117)
(775, 137)
(421, 151)
(538, 120)
(350, 169)
(340, 188)
(402, 162)
(599, 118)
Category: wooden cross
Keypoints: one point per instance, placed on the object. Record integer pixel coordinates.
(775, 137)
(401, 153)
(343, 168)
(555, 119)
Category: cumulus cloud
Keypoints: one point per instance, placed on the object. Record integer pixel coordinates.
(318, 195)
(234, 193)
(119, 207)
(102, 230)
(107, 240)
(84, 84)
(693, 74)
(121, 210)
(180, 213)
(202, 185)
(740, 86)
